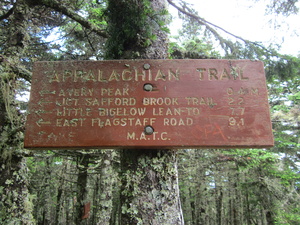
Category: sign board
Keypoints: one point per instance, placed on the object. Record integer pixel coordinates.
(148, 104)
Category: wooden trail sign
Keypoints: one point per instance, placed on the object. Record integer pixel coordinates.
(148, 104)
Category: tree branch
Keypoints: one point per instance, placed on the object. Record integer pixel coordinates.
(57, 6)
(209, 26)
(6, 15)
(89, 41)
(18, 70)
(23, 73)
(203, 21)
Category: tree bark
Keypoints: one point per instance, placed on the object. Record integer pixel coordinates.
(150, 193)
(82, 189)
(104, 190)
(149, 190)
(15, 205)
(15, 200)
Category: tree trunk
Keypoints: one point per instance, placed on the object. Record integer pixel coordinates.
(61, 206)
(104, 190)
(82, 191)
(47, 193)
(149, 191)
(15, 202)
(15, 205)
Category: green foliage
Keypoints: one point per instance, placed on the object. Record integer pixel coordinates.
(285, 115)
(193, 48)
(134, 32)
(284, 67)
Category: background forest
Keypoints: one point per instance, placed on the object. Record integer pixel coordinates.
(217, 186)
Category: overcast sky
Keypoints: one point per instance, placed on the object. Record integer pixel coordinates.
(247, 19)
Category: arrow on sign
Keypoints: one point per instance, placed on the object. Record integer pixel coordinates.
(41, 133)
(43, 102)
(39, 112)
(42, 122)
(45, 92)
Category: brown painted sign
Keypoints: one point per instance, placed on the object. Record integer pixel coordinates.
(148, 104)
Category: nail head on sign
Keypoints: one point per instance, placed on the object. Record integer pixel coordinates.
(148, 130)
(146, 66)
(148, 87)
